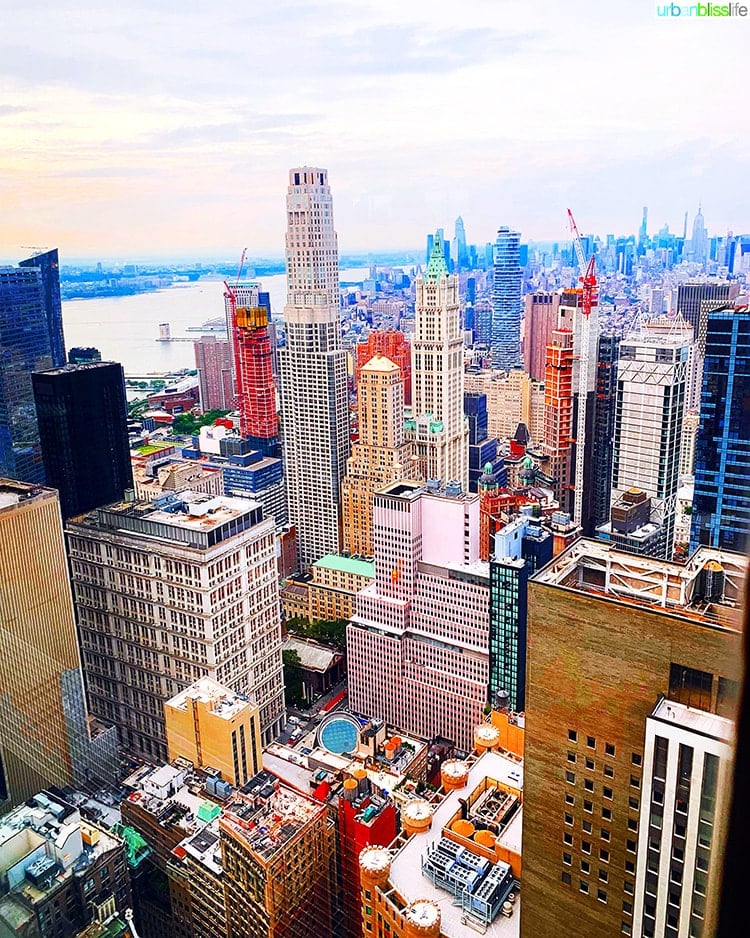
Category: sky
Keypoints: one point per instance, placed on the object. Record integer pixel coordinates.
(163, 129)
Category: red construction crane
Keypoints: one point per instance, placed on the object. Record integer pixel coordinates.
(589, 299)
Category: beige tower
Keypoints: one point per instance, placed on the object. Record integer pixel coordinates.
(436, 424)
(380, 456)
(43, 720)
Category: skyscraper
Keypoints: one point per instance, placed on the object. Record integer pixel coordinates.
(83, 430)
(558, 408)
(313, 371)
(24, 348)
(604, 428)
(214, 364)
(380, 456)
(650, 404)
(417, 645)
(539, 322)
(436, 424)
(171, 591)
(394, 345)
(521, 548)
(49, 272)
(44, 737)
(721, 508)
(694, 302)
(506, 301)
(253, 362)
(462, 257)
(625, 651)
(699, 242)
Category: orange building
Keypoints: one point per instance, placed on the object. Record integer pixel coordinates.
(393, 345)
(215, 728)
(381, 455)
(558, 412)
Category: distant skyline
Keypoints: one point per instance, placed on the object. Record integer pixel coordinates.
(149, 130)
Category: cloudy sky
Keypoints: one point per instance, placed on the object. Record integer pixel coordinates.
(158, 128)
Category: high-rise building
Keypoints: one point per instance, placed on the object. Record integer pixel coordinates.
(506, 301)
(721, 507)
(394, 345)
(462, 256)
(559, 428)
(613, 844)
(643, 231)
(83, 429)
(483, 449)
(214, 364)
(44, 738)
(380, 456)
(521, 548)
(539, 322)
(436, 424)
(48, 266)
(83, 356)
(417, 645)
(171, 591)
(649, 408)
(699, 241)
(313, 368)
(604, 427)
(694, 302)
(24, 348)
(511, 399)
(278, 855)
(253, 363)
(215, 728)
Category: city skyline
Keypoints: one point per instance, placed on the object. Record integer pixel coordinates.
(133, 132)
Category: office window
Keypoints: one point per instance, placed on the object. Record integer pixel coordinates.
(629, 887)
(690, 686)
(591, 742)
(627, 908)
(626, 928)
(567, 859)
(585, 867)
(570, 778)
(571, 756)
(565, 877)
(632, 824)
(636, 758)
(588, 806)
(629, 866)
(604, 855)
(573, 736)
(607, 792)
(609, 771)
(604, 833)
(633, 803)
(585, 846)
(584, 887)
(588, 784)
(606, 814)
(601, 895)
(569, 819)
(590, 764)
(609, 748)
(587, 827)
(568, 839)
(569, 799)
(635, 782)
(603, 876)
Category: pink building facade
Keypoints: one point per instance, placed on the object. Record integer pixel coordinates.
(540, 319)
(418, 642)
(214, 364)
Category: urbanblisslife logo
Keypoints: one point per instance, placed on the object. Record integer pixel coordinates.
(701, 9)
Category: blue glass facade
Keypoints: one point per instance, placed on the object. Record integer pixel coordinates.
(530, 547)
(49, 271)
(482, 449)
(721, 501)
(24, 348)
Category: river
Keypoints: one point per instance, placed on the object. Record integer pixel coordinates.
(125, 328)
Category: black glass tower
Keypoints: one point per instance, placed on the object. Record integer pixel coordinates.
(82, 415)
(604, 428)
(24, 348)
(721, 500)
(49, 270)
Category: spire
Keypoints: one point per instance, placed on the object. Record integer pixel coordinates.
(437, 266)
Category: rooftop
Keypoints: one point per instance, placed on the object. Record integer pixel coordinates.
(267, 815)
(355, 565)
(12, 492)
(379, 362)
(406, 875)
(224, 702)
(698, 721)
(708, 587)
(312, 656)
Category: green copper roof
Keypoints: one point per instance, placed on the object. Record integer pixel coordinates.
(136, 848)
(208, 811)
(347, 565)
(436, 267)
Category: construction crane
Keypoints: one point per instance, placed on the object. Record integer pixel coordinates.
(230, 290)
(589, 299)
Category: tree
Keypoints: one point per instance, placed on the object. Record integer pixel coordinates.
(292, 677)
